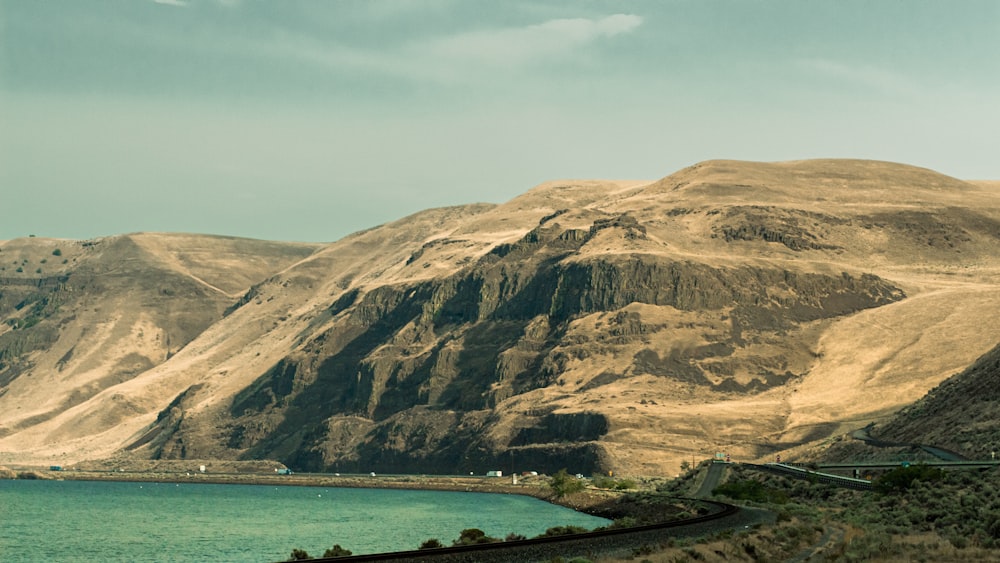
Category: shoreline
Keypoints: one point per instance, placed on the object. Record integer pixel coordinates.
(586, 501)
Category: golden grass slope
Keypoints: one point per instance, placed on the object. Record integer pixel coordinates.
(120, 306)
(934, 236)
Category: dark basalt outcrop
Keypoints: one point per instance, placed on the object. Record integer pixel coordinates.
(583, 324)
(408, 378)
(796, 229)
(25, 303)
(81, 317)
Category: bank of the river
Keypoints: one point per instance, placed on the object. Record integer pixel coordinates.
(590, 501)
(85, 520)
(596, 502)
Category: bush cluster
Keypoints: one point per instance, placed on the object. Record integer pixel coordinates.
(750, 489)
(562, 484)
(960, 506)
(902, 478)
(473, 536)
(335, 551)
(606, 482)
(468, 536)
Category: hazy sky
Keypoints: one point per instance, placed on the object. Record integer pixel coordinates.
(308, 120)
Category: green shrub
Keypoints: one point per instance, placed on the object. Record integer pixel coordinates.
(627, 522)
(563, 531)
(336, 551)
(299, 555)
(472, 536)
(902, 478)
(57, 252)
(749, 489)
(605, 482)
(432, 543)
(625, 484)
(563, 484)
(602, 482)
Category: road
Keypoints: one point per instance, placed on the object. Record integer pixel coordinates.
(895, 464)
(802, 473)
(864, 434)
(712, 479)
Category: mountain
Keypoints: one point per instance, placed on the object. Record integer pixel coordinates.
(595, 325)
(83, 319)
(962, 414)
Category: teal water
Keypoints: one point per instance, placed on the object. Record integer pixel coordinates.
(106, 521)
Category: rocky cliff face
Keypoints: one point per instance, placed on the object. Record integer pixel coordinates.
(84, 317)
(590, 325)
(415, 366)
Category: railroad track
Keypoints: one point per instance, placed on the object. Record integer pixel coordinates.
(541, 549)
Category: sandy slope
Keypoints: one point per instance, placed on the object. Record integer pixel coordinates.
(853, 369)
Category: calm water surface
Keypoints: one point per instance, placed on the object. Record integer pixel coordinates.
(104, 521)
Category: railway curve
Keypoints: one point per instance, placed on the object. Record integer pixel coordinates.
(601, 541)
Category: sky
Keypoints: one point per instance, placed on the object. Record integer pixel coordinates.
(309, 120)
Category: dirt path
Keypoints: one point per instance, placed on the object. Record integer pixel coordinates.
(831, 537)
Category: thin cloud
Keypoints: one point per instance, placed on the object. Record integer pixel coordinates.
(457, 57)
(461, 57)
(516, 46)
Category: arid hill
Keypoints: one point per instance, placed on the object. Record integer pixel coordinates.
(81, 318)
(962, 414)
(594, 325)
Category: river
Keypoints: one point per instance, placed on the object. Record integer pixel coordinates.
(119, 521)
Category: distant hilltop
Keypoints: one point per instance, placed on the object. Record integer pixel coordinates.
(738, 307)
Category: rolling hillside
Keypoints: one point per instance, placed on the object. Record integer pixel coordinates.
(960, 414)
(731, 306)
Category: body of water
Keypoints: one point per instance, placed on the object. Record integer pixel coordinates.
(109, 521)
